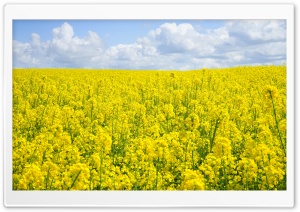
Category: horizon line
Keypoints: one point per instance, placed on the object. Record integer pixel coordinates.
(128, 69)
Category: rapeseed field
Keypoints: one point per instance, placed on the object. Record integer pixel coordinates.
(208, 129)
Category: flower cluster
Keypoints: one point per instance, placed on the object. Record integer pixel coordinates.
(209, 129)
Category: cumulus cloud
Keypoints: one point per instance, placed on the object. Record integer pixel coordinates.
(23, 54)
(170, 46)
(63, 50)
(257, 30)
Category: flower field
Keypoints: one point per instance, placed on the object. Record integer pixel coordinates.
(208, 129)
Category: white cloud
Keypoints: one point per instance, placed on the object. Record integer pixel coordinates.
(22, 53)
(257, 30)
(170, 46)
(64, 33)
(183, 38)
(63, 50)
(172, 38)
(35, 39)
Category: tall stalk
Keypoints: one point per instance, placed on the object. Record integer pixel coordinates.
(277, 125)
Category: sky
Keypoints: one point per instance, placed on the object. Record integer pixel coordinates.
(148, 44)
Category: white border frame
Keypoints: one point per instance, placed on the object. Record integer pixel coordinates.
(146, 198)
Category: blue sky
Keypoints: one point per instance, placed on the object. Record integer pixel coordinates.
(109, 30)
(148, 44)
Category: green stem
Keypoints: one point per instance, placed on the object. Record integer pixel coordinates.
(75, 179)
(101, 161)
(193, 160)
(135, 176)
(277, 125)
(156, 179)
(47, 177)
(214, 134)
